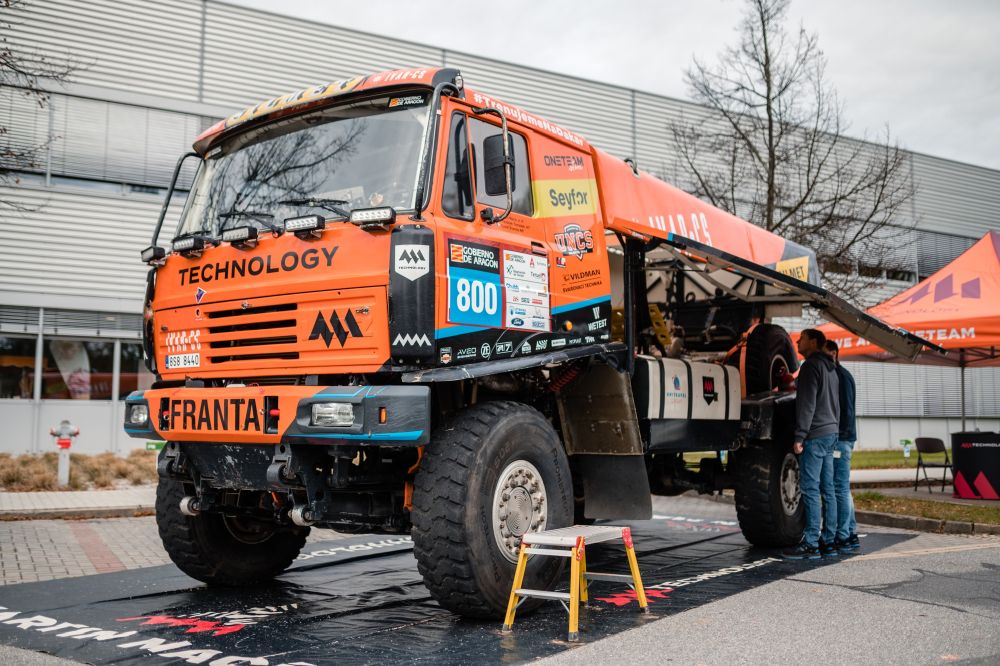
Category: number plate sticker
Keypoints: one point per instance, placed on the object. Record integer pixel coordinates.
(175, 361)
(474, 288)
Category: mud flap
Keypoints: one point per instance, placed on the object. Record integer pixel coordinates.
(601, 432)
(615, 487)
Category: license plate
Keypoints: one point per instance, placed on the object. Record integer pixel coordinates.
(183, 361)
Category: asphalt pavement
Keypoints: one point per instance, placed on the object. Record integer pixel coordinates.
(925, 599)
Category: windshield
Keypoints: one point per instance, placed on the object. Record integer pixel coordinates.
(328, 162)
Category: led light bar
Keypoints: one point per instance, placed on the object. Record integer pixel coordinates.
(153, 253)
(189, 244)
(240, 235)
(305, 223)
(379, 218)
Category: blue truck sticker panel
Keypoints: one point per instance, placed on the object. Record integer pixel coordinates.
(497, 287)
(474, 287)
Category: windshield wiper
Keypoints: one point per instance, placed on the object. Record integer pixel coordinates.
(258, 215)
(332, 205)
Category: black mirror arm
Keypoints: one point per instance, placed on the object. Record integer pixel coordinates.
(494, 219)
(170, 193)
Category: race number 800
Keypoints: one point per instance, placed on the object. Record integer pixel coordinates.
(479, 297)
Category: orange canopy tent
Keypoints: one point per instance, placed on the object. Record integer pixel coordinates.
(957, 308)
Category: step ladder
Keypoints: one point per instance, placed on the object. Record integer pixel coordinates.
(571, 542)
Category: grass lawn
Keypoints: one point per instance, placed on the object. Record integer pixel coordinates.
(861, 459)
(869, 500)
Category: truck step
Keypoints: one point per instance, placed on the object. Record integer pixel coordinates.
(542, 594)
(612, 578)
(552, 552)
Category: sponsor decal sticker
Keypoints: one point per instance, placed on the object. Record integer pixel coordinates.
(485, 350)
(465, 353)
(708, 389)
(410, 340)
(400, 102)
(446, 355)
(569, 162)
(797, 268)
(336, 329)
(411, 261)
(199, 294)
(504, 347)
(558, 342)
(541, 344)
(526, 347)
(563, 198)
(574, 241)
(258, 265)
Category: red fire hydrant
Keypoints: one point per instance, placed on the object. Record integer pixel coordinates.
(64, 434)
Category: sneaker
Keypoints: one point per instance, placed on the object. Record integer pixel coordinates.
(802, 551)
(828, 549)
(841, 546)
(853, 542)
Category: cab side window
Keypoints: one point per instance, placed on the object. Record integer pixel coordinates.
(457, 198)
(478, 131)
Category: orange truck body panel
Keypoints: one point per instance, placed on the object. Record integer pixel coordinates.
(292, 307)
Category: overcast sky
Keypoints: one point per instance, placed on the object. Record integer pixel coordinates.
(929, 69)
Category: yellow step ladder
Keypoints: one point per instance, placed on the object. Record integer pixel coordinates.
(571, 542)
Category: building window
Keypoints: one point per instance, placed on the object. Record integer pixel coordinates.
(77, 369)
(134, 375)
(17, 367)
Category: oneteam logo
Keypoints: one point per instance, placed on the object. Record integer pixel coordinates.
(341, 329)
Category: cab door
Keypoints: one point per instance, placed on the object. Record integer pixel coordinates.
(493, 279)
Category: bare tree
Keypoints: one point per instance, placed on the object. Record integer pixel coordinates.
(773, 151)
(23, 70)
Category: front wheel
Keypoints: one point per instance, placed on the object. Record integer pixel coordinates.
(223, 550)
(495, 472)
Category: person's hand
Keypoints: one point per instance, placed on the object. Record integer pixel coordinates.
(797, 448)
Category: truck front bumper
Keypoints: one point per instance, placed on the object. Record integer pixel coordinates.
(382, 415)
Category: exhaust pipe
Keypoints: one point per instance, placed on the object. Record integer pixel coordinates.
(189, 506)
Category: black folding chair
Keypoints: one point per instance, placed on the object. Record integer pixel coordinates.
(931, 445)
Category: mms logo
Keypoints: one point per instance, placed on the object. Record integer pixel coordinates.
(341, 329)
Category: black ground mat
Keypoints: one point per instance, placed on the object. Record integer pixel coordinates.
(361, 601)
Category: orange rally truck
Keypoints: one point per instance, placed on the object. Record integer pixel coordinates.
(397, 305)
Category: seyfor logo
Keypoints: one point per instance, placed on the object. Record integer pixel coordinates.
(574, 241)
(411, 261)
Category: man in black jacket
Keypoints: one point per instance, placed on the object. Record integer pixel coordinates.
(817, 425)
(847, 526)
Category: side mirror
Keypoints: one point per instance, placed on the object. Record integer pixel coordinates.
(493, 165)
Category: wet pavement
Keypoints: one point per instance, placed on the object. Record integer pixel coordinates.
(714, 599)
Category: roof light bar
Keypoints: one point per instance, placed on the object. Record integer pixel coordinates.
(306, 226)
(373, 218)
(241, 237)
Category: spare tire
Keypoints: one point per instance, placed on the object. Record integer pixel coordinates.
(769, 351)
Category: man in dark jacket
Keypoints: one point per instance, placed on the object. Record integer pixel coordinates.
(847, 526)
(817, 425)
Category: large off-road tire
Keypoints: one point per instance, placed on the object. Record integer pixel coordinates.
(223, 551)
(769, 349)
(494, 472)
(768, 501)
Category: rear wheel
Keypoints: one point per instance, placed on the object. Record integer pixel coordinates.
(495, 472)
(223, 550)
(770, 355)
(768, 500)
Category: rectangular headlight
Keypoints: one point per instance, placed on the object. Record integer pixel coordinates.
(373, 216)
(305, 223)
(240, 235)
(339, 414)
(138, 414)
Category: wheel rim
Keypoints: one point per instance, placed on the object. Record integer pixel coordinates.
(518, 506)
(247, 531)
(779, 367)
(791, 495)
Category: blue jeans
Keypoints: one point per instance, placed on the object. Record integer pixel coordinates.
(816, 478)
(846, 524)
